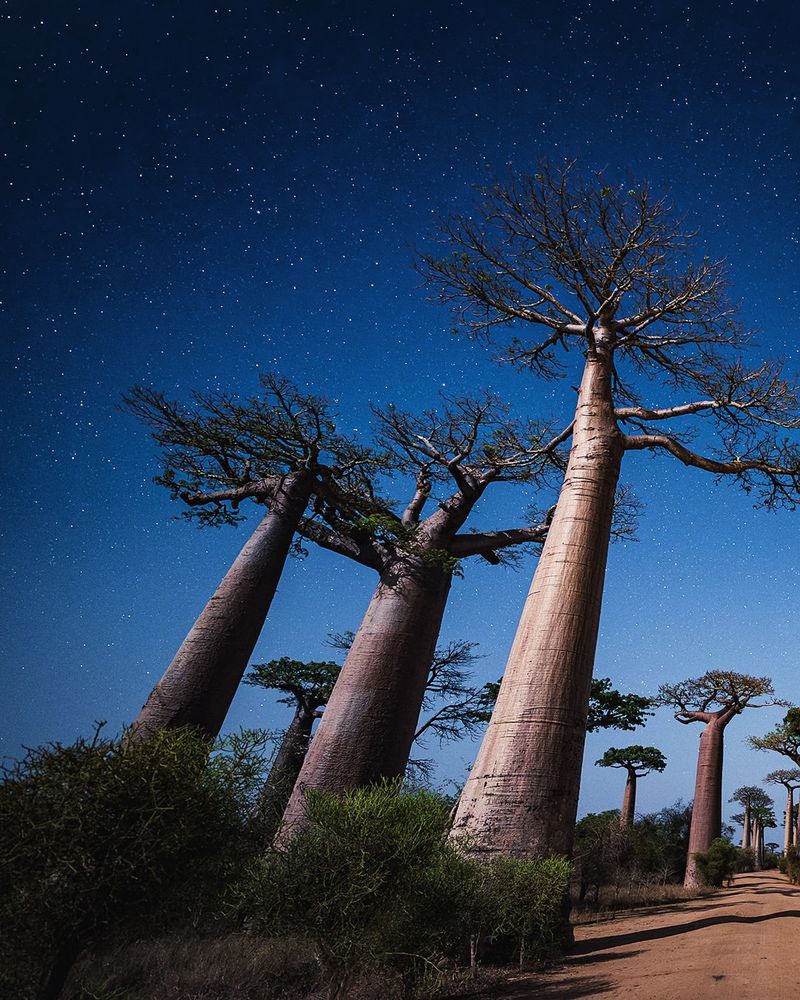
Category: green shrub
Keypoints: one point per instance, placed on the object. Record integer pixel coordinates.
(790, 864)
(373, 882)
(103, 836)
(719, 863)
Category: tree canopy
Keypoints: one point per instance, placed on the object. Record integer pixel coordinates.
(635, 759)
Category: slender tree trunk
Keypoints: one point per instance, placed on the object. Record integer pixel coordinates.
(797, 829)
(368, 725)
(787, 833)
(628, 801)
(757, 865)
(707, 808)
(199, 684)
(521, 797)
(285, 768)
(746, 828)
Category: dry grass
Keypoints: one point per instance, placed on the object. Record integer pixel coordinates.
(612, 901)
(235, 967)
(232, 967)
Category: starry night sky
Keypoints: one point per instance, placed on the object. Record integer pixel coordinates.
(194, 194)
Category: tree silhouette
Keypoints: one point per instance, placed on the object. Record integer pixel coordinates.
(713, 699)
(600, 275)
(638, 762)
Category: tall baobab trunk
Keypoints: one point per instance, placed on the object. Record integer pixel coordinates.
(787, 832)
(368, 725)
(797, 829)
(286, 767)
(198, 686)
(756, 837)
(522, 795)
(628, 800)
(746, 827)
(707, 807)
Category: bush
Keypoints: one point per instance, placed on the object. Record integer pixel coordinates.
(373, 883)
(790, 864)
(105, 835)
(719, 863)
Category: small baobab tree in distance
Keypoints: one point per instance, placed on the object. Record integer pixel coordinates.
(452, 457)
(785, 740)
(600, 274)
(713, 700)
(276, 450)
(746, 795)
(306, 687)
(790, 779)
(638, 762)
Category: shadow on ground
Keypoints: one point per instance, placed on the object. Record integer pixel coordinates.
(653, 933)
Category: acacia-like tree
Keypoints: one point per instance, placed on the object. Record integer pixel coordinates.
(276, 450)
(713, 699)
(603, 271)
(454, 456)
(790, 779)
(638, 762)
(746, 796)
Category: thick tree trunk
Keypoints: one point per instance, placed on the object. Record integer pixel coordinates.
(285, 768)
(368, 725)
(756, 841)
(628, 801)
(707, 808)
(787, 833)
(199, 684)
(521, 797)
(746, 828)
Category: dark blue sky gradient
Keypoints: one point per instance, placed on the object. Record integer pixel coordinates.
(196, 193)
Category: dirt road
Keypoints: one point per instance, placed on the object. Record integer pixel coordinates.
(742, 943)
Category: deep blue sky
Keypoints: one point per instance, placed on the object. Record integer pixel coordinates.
(196, 193)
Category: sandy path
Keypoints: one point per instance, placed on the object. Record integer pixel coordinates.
(742, 943)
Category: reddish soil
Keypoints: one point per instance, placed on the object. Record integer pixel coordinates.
(741, 943)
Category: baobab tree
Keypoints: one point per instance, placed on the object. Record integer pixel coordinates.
(306, 687)
(276, 450)
(713, 700)
(454, 707)
(369, 723)
(783, 739)
(790, 779)
(746, 796)
(638, 762)
(603, 271)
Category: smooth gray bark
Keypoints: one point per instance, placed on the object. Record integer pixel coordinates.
(200, 682)
(368, 725)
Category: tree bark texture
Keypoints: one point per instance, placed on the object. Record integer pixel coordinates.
(521, 797)
(787, 832)
(368, 725)
(707, 808)
(746, 828)
(198, 686)
(628, 801)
